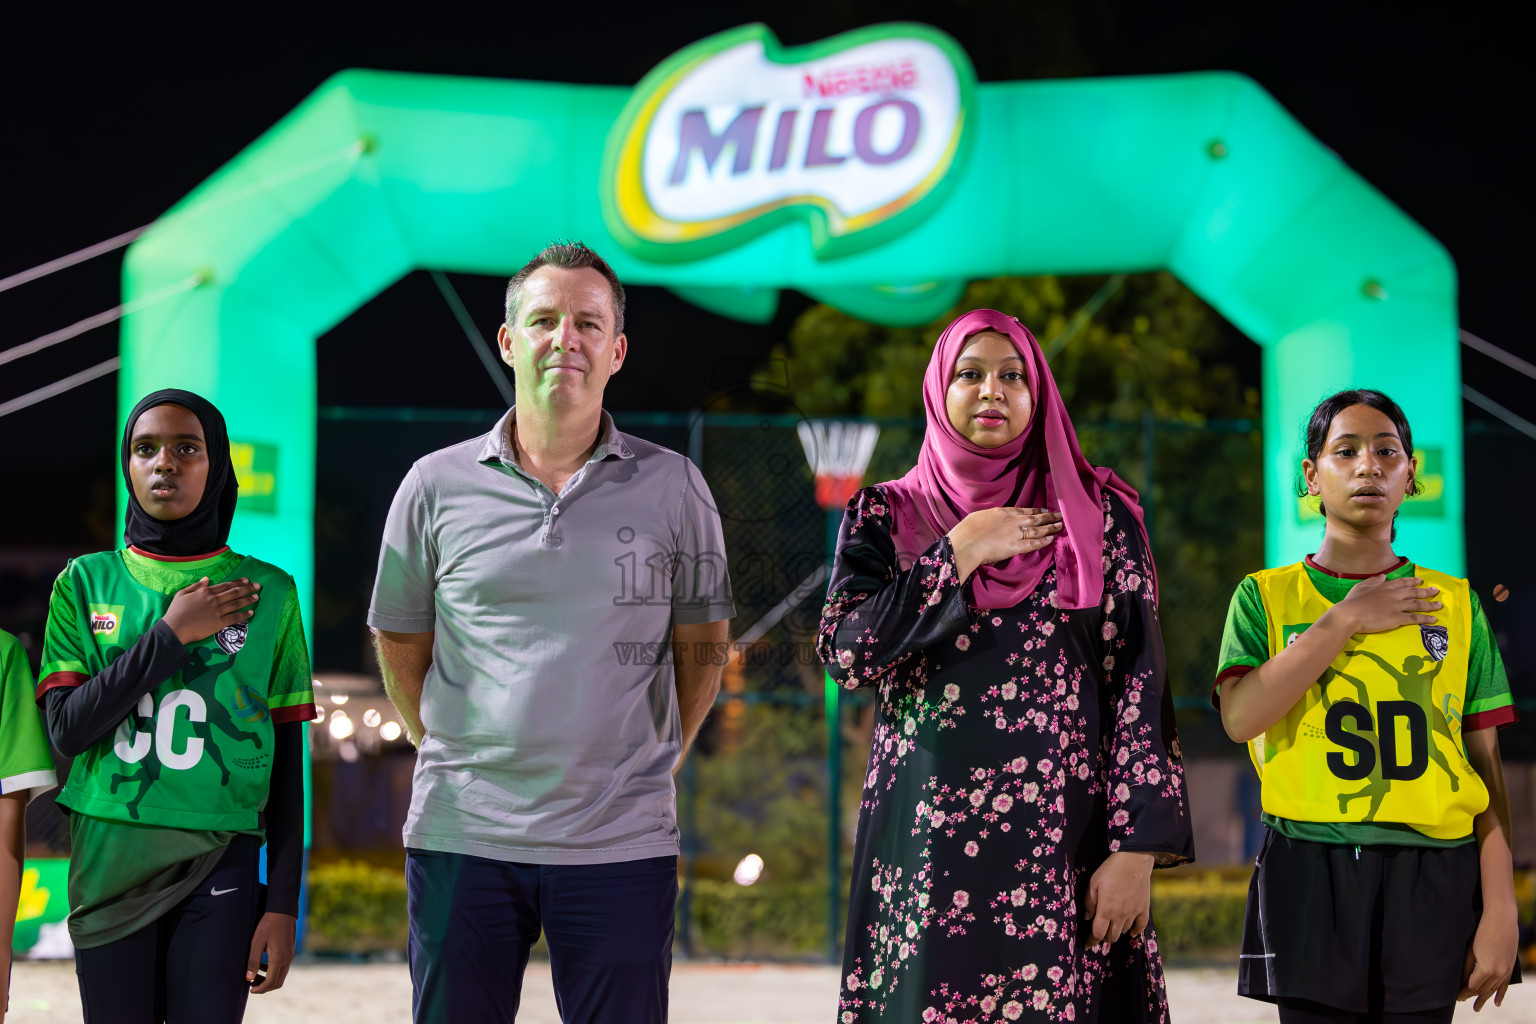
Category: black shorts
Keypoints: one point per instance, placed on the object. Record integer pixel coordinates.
(1364, 929)
(187, 967)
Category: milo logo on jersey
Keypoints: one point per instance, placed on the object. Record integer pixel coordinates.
(105, 621)
(857, 135)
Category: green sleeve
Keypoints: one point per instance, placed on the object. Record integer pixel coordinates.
(1245, 639)
(61, 638)
(25, 762)
(1487, 685)
(290, 692)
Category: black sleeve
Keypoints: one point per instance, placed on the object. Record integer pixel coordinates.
(878, 615)
(285, 819)
(78, 717)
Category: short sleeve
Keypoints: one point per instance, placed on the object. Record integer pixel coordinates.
(1489, 702)
(63, 660)
(1244, 640)
(701, 584)
(26, 766)
(290, 692)
(404, 592)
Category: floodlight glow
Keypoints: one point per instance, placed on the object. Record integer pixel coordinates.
(749, 870)
(389, 731)
(371, 718)
(341, 726)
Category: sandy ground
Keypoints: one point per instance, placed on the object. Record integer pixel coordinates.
(43, 992)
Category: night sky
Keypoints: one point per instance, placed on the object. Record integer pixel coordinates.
(110, 118)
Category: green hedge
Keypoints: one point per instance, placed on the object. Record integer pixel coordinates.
(769, 920)
(1199, 914)
(1196, 915)
(356, 908)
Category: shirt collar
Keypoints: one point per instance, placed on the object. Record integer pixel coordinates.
(1402, 560)
(497, 446)
(184, 561)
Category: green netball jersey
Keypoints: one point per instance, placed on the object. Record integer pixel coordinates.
(25, 763)
(196, 753)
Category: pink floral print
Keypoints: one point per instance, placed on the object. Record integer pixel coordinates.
(1012, 751)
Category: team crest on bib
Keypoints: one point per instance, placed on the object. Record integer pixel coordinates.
(231, 638)
(1437, 641)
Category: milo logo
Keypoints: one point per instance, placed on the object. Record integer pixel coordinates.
(855, 135)
(106, 619)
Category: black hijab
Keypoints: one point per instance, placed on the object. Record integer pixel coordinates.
(206, 528)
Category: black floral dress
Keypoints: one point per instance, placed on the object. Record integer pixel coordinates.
(1013, 750)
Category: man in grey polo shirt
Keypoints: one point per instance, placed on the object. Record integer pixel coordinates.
(533, 585)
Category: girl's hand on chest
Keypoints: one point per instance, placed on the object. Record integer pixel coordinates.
(199, 611)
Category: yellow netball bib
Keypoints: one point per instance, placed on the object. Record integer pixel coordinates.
(1378, 737)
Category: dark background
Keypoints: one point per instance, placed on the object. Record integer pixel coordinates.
(110, 118)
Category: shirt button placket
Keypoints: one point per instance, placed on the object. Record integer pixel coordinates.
(551, 527)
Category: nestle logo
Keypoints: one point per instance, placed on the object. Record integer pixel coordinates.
(883, 78)
(736, 134)
(103, 622)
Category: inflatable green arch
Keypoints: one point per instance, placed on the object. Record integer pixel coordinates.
(869, 171)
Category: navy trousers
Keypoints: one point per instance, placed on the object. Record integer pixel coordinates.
(474, 920)
(188, 967)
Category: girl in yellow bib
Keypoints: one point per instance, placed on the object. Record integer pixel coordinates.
(1368, 690)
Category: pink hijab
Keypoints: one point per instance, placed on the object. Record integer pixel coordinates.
(1041, 468)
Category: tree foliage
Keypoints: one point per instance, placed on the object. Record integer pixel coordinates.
(1153, 344)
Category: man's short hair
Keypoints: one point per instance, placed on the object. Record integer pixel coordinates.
(568, 256)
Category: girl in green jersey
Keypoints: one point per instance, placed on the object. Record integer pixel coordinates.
(26, 769)
(1369, 690)
(175, 674)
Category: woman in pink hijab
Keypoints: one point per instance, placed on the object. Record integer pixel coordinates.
(1024, 777)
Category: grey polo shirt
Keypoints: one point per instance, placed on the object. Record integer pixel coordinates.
(550, 708)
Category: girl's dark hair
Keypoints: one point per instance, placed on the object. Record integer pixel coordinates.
(1322, 418)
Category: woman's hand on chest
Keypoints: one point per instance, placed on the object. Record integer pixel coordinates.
(993, 534)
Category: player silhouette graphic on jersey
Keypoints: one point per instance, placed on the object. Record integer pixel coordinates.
(1413, 684)
(204, 667)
